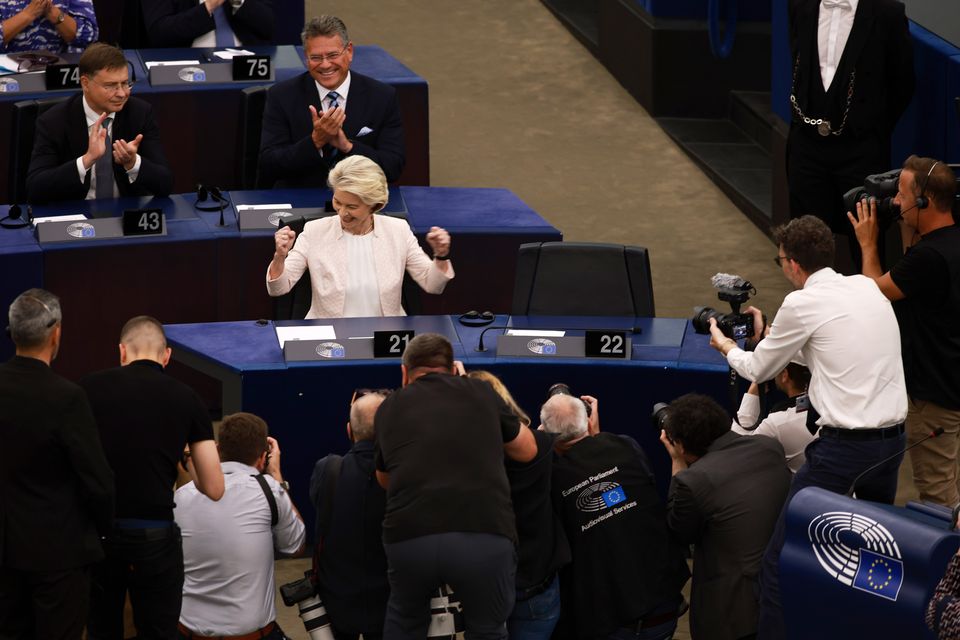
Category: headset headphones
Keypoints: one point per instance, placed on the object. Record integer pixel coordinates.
(477, 319)
(213, 194)
(922, 200)
(13, 221)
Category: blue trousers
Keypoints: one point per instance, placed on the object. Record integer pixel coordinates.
(535, 618)
(832, 464)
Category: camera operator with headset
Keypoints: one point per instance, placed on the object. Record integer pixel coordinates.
(845, 331)
(925, 288)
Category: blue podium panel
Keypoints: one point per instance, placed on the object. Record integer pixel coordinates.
(306, 403)
(855, 569)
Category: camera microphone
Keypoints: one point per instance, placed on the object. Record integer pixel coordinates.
(729, 281)
(853, 485)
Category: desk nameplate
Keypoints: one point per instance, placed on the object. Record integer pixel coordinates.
(544, 347)
(328, 350)
(78, 231)
(269, 219)
(199, 73)
(28, 83)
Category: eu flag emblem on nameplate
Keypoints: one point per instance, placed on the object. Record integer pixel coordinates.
(879, 574)
(614, 496)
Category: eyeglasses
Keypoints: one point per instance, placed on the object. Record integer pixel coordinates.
(779, 260)
(329, 57)
(114, 87)
(27, 61)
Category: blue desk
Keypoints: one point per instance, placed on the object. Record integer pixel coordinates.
(203, 272)
(306, 404)
(855, 569)
(200, 123)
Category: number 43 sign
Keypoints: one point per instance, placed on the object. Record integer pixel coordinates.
(142, 222)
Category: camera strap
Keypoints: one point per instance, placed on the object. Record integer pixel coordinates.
(733, 390)
(271, 500)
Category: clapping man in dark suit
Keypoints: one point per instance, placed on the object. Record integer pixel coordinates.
(211, 23)
(56, 490)
(316, 119)
(102, 143)
(852, 80)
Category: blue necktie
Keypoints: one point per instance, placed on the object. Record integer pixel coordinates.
(334, 98)
(223, 31)
(104, 166)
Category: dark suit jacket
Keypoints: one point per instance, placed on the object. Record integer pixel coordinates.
(727, 504)
(62, 137)
(879, 50)
(177, 23)
(56, 490)
(287, 153)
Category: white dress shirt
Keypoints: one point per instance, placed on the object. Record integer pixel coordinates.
(343, 91)
(845, 332)
(833, 30)
(361, 298)
(788, 427)
(209, 39)
(228, 585)
(132, 174)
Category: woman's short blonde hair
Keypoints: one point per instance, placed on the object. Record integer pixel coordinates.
(362, 177)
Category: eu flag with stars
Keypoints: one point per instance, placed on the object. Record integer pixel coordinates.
(614, 496)
(879, 574)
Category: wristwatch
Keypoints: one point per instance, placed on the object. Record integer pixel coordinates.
(61, 17)
(285, 485)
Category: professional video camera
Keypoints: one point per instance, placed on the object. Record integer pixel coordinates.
(736, 291)
(883, 187)
(303, 593)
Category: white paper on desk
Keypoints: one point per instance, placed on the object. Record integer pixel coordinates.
(10, 66)
(252, 207)
(547, 333)
(71, 218)
(321, 332)
(170, 63)
(230, 54)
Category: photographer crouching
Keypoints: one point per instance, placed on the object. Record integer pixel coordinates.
(845, 331)
(925, 288)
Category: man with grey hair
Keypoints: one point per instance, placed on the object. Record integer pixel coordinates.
(352, 568)
(145, 418)
(316, 119)
(627, 572)
(56, 489)
(210, 23)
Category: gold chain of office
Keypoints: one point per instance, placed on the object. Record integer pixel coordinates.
(823, 126)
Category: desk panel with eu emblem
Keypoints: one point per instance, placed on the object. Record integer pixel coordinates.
(856, 569)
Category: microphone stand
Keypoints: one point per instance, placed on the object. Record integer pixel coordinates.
(853, 485)
(480, 347)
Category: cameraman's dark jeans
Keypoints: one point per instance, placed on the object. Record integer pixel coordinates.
(480, 568)
(148, 563)
(831, 464)
(340, 635)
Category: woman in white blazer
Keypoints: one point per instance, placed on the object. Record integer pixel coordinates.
(357, 258)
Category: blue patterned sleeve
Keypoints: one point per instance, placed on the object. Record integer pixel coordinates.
(87, 30)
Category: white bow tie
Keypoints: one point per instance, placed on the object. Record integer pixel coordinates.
(836, 4)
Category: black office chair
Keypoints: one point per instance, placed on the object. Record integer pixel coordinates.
(582, 279)
(295, 304)
(23, 121)
(252, 101)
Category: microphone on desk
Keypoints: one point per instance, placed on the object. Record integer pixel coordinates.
(853, 485)
(480, 346)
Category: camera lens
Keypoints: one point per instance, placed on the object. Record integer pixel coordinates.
(701, 318)
(659, 415)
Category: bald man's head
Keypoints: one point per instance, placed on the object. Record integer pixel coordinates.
(142, 338)
(362, 413)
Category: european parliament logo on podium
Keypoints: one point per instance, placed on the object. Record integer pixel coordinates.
(878, 574)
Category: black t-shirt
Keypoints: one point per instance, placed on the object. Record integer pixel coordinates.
(441, 440)
(543, 545)
(625, 562)
(145, 419)
(929, 317)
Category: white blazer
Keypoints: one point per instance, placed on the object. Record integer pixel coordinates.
(322, 249)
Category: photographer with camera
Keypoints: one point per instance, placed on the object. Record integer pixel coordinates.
(228, 545)
(728, 515)
(351, 575)
(627, 573)
(925, 288)
(845, 331)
